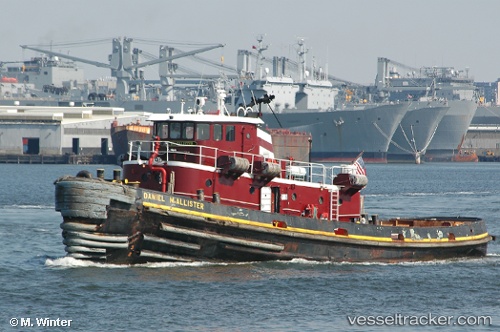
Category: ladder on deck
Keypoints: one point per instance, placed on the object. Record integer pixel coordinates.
(334, 205)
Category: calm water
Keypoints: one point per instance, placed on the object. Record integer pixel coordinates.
(36, 281)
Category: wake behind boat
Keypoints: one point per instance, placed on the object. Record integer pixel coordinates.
(210, 189)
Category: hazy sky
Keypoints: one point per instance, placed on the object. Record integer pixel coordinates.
(346, 37)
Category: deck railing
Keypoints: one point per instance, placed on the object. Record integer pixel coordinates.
(140, 151)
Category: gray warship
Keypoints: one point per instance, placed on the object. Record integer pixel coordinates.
(340, 131)
(390, 129)
(55, 79)
(452, 87)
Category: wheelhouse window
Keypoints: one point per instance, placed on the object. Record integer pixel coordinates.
(217, 132)
(163, 130)
(230, 133)
(202, 131)
(188, 130)
(175, 130)
(181, 130)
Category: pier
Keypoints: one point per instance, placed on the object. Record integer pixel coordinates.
(56, 159)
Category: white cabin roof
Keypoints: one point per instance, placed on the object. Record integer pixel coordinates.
(204, 118)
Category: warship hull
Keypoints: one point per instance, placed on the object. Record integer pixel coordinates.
(487, 115)
(451, 130)
(415, 132)
(342, 134)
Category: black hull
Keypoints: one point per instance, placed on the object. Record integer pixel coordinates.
(223, 242)
(114, 223)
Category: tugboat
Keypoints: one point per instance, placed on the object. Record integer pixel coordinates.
(465, 156)
(210, 188)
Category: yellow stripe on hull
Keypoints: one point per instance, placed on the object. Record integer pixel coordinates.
(312, 232)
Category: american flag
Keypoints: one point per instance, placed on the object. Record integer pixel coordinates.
(360, 165)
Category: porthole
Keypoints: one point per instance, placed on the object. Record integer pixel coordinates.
(320, 199)
(208, 183)
(252, 190)
(248, 135)
(294, 196)
(145, 176)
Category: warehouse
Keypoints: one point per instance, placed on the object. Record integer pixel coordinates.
(484, 140)
(60, 131)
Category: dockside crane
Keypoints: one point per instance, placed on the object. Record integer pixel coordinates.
(122, 64)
